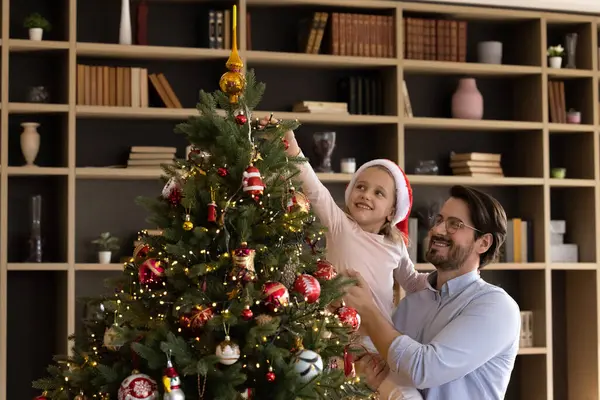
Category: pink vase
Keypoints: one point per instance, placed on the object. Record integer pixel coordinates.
(467, 102)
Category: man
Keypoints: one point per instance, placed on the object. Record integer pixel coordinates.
(457, 339)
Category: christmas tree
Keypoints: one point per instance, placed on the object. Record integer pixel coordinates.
(233, 300)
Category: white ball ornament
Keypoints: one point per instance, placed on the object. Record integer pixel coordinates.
(138, 387)
(308, 364)
(228, 352)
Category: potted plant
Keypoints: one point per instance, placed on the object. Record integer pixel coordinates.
(555, 54)
(36, 25)
(106, 245)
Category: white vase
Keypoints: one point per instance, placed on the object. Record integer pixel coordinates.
(30, 142)
(104, 257)
(555, 62)
(125, 26)
(467, 102)
(489, 52)
(36, 34)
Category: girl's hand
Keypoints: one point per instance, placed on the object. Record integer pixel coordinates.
(293, 149)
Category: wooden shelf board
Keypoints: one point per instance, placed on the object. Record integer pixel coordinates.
(117, 173)
(569, 128)
(338, 119)
(525, 351)
(37, 171)
(156, 173)
(478, 69)
(184, 113)
(20, 45)
(567, 73)
(38, 266)
(581, 266)
(111, 50)
(36, 108)
(469, 124)
(135, 112)
(572, 182)
(469, 12)
(494, 266)
(448, 180)
(314, 60)
(333, 3)
(98, 267)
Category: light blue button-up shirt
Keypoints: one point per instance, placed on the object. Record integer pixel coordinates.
(459, 343)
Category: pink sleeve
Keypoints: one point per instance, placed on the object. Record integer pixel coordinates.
(407, 276)
(321, 201)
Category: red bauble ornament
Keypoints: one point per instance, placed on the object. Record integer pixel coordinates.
(325, 270)
(349, 317)
(252, 182)
(270, 375)
(150, 272)
(222, 172)
(247, 314)
(41, 397)
(275, 295)
(241, 119)
(308, 286)
(138, 387)
(197, 318)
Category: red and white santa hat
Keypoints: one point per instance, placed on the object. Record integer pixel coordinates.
(403, 191)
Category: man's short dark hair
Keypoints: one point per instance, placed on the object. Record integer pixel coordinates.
(487, 215)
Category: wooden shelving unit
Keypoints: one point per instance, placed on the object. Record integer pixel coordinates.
(37, 301)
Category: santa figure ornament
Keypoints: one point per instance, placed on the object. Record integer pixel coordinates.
(252, 182)
(404, 195)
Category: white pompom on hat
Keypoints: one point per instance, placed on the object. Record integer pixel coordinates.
(403, 191)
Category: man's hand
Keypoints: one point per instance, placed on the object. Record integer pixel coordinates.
(359, 296)
(373, 368)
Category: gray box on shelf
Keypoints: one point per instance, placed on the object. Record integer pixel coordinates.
(559, 250)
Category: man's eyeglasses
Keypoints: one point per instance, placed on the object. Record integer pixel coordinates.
(453, 225)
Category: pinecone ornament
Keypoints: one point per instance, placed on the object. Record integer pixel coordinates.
(288, 275)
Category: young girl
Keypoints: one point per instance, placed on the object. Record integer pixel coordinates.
(364, 237)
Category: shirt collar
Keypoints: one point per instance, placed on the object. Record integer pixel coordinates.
(455, 285)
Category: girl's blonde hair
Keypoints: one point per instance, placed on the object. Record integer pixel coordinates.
(388, 230)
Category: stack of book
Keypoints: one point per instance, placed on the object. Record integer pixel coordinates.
(476, 164)
(320, 107)
(150, 156)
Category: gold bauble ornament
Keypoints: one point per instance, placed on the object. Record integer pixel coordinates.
(233, 81)
(187, 224)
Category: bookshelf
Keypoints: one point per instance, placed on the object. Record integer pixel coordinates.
(83, 197)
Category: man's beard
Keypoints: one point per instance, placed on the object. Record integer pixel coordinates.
(453, 260)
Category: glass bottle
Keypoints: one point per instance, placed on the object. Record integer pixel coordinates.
(35, 238)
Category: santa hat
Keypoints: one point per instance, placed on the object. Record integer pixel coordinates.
(403, 191)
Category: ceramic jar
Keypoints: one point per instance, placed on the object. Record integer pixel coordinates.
(467, 101)
(30, 142)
